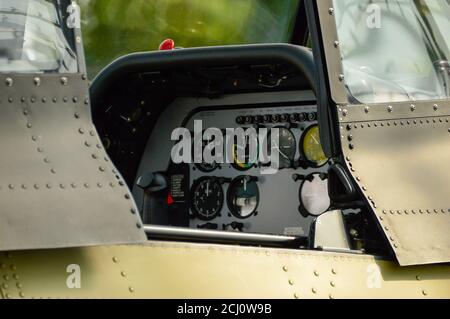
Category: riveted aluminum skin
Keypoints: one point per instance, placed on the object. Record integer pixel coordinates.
(398, 155)
(182, 270)
(53, 192)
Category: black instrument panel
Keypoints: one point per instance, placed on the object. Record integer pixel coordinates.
(246, 196)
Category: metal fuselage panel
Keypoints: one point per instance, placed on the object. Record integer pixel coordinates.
(396, 152)
(58, 187)
(181, 270)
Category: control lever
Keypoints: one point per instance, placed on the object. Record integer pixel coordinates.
(153, 182)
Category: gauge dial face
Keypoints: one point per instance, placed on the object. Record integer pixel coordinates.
(243, 197)
(286, 146)
(207, 198)
(314, 198)
(205, 166)
(312, 148)
(247, 163)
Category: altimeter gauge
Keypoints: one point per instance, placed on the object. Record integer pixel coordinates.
(207, 198)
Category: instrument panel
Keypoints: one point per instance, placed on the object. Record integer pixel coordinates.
(242, 196)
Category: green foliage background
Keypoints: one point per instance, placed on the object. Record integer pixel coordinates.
(112, 28)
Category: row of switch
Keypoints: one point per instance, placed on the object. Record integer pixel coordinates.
(277, 118)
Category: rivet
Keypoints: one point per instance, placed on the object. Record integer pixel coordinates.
(86, 101)
(336, 44)
(331, 11)
(390, 109)
(139, 226)
(112, 184)
(88, 144)
(395, 246)
(73, 185)
(332, 284)
(75, 99)
(364, 188)
(62, 186)
(115, 260)
(40, 150)
(33, 99)
(34, 138)
(86, 185)
(341, 77)
(81, 131)
(23, 99)
(25, 112)
(55, 100)
(334, 271)
(123, 274)
(19, 285)
(367, 109)
(131, 289)
(36, 186)
(29, 125)
(64, 80)
(101, 169)
(11, 186)
(11, 100)
(418, 278)
(5, 286)
(65, 99)
(92, 133)
(314, 290)
(413, 107)
(435, 107)
(424, 292)
(100, 185)
(316, 273)
(6, 277)
(24, 186)
(351, 146)
(46, 160)
(127, 196)
(53, 171)
(77, 116)
(44, 100)
(9, 82)
(331, 297)
(37, 81)
(84, 77)
(94, 156)
(49, 186)
(296, 296)
(291, 282)
(21, 294)
(133, 211)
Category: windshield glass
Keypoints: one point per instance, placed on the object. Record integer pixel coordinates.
(396, 50)
(115, 28)
(34, 38)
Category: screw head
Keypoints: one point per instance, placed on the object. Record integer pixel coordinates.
(9, 82)
(37, 81)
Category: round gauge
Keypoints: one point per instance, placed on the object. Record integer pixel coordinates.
(243, 196)
(247, 163)
(314, 198)
(207, 198)
(311, 147)
(286, 146)
(205, 167)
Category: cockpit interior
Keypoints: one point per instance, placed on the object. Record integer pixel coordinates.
(308, 203)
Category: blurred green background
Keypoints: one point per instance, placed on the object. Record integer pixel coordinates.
(112, 28)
